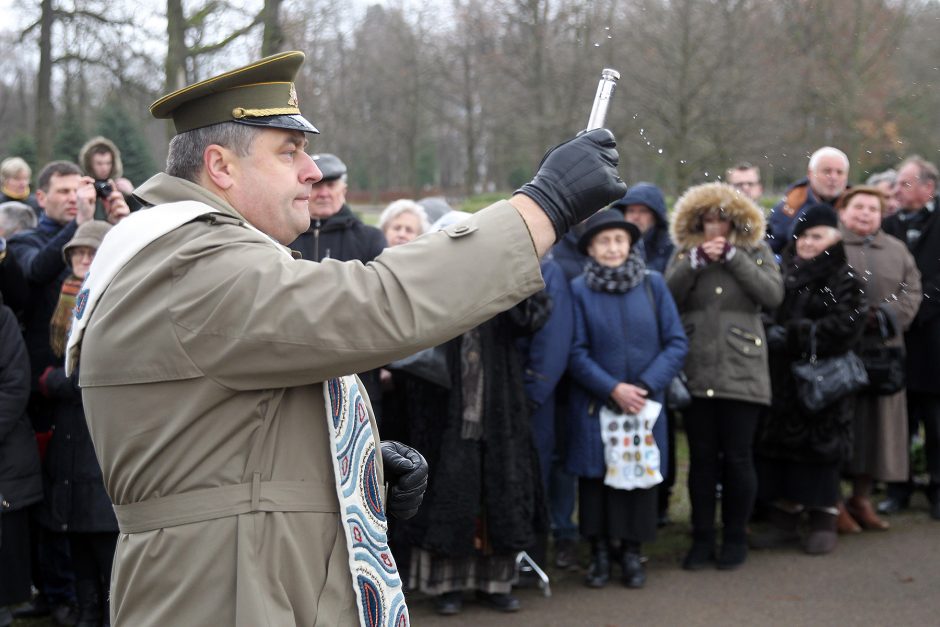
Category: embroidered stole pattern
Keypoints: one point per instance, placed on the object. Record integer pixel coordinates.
(375, 578)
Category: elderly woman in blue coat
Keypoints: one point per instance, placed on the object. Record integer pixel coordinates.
(628, 345)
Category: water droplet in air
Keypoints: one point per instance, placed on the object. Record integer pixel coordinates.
(660, 151)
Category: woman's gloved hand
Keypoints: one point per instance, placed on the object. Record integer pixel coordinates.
(406, 473)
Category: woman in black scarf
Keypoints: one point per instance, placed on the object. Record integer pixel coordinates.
(801, 453)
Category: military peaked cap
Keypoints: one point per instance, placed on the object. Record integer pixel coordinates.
(259, 94)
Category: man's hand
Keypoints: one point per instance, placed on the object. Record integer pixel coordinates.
(86, 200)
(115, 205)
(630, 398)
(406, 472)
(576, 179)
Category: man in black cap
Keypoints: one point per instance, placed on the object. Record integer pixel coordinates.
(243, 463)
(335, 232)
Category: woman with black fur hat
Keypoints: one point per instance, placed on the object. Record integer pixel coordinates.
(801, 453)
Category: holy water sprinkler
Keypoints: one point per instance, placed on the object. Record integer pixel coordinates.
(605, 91)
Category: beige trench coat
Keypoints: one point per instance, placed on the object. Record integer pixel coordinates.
(892, 283)
(201, 372)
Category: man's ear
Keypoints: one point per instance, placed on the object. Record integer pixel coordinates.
(220, 166)
(41, 198)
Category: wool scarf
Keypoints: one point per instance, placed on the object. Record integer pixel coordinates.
(619, 280)
(62, 316)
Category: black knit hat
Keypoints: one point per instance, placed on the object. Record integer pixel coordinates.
(815, 215)
(603, 220)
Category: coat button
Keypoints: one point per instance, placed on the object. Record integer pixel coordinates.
(718, 290)
(757, 342)
(709, 392)
(760, 262)
(5, 504)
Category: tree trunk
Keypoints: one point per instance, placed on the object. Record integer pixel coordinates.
(272, 41)
(175, 65)
(44, 110)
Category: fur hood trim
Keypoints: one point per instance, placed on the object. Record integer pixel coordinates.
(84, 156)
(748, 221)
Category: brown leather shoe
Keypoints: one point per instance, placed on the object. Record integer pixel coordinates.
(862, 511)
(845, 523)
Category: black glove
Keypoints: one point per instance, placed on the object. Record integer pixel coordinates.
(576, 179)
(776, 337)
(406, 472)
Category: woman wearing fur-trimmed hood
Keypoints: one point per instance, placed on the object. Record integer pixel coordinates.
(722, 275)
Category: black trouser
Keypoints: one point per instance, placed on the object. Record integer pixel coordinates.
(721, 436)
(923, 408)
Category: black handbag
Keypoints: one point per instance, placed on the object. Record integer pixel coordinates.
(822, 382)
(677, 394)
(885, 365)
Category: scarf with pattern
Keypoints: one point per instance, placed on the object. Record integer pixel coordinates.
(619, 280)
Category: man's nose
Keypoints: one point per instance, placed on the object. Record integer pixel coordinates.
(309, 172)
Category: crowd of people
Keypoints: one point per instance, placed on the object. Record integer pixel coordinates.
(554, 422)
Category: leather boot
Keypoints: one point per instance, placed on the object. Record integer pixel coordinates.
(89, 603)
(702, 552)
(822, 537)
(599, 571)
(782, 529)
(861, 510)
(846, 522)
(634, 575)
(733, 549)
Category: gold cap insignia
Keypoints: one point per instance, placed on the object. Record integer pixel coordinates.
(292, 100)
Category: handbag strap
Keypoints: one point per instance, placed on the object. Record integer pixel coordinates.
(812, 343)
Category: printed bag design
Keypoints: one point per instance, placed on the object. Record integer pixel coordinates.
(630, 451)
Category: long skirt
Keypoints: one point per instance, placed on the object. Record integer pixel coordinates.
(811, 485)
(628, 515)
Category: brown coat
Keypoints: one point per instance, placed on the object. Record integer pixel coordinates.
(891, 280)
(202, 370)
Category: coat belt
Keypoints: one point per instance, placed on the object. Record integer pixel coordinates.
(226, 501)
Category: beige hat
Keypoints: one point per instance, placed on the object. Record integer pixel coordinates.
(88, 234)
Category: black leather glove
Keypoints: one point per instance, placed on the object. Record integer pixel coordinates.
(406, 472)
(576, 179)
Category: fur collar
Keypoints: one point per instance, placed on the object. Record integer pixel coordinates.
(748, 221)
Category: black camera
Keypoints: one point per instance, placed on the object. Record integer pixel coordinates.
(103, 189)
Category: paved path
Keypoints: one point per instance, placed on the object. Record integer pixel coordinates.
(890, 578)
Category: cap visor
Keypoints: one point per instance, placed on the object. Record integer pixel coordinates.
(287, 122)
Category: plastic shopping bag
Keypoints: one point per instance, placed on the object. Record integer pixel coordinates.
(629, 447)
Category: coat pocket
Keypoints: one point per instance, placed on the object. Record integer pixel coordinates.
(745, 342)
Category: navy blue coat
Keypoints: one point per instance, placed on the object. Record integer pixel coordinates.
(546, 356)
(617, 338)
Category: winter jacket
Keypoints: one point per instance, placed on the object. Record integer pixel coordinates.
(720, 302)
(795, 201)
(619, 338)
(826, 293)
(545, 358)
(75, 496)
(20, 479)
(84, 157)
(14, 290)
(892, 287)
(342, 237)
(39, 255)
(923, 337)
(656, 245)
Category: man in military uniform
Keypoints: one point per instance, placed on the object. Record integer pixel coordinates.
(212, 363)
